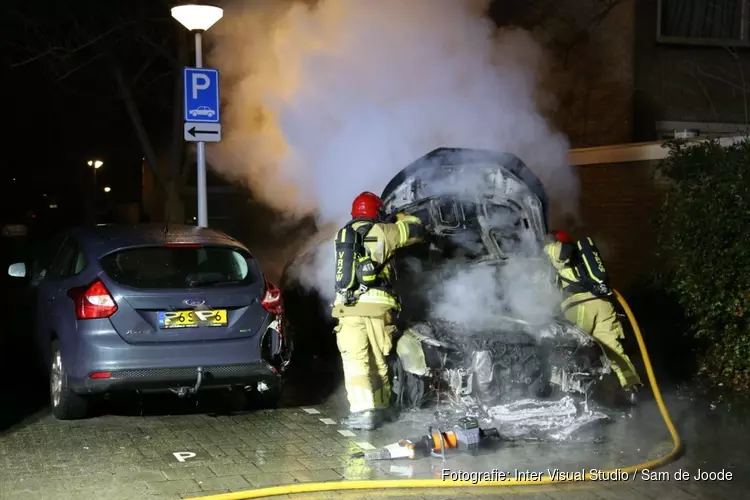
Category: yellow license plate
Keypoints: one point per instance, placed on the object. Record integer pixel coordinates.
(187, 319)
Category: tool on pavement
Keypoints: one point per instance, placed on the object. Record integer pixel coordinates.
(465, 436)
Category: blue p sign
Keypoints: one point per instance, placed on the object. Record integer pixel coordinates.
(201, 95)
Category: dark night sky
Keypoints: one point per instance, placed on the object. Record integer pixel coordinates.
(55, 126)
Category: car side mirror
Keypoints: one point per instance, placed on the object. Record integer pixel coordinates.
(17, 270)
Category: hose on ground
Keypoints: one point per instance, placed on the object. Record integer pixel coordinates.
(380, 484)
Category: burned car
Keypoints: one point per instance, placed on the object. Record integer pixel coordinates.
(480, 320)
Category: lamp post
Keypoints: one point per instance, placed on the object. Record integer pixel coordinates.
(107, 189)
(96, 165)
(93, 206)
(199, 18)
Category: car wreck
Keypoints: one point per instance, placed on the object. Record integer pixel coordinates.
(487, 215)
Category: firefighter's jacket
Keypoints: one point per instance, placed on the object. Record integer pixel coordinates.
(382, 240)
(567, 279)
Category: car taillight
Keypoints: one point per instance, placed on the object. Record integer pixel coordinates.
(272, 299)
(93, 301)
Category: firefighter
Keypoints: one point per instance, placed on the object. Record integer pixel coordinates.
(590, 308)
(365, 304)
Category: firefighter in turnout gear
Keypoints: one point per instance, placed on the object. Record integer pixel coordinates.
(587, 301)
(365, 304)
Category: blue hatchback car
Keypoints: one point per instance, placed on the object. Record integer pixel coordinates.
(145, 307)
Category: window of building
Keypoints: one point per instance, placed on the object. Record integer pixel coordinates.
(723, 23)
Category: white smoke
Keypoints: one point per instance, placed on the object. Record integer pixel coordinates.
(323, 100)
(480, 297)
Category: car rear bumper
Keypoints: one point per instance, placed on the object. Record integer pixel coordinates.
(102, 361)
(163, 379)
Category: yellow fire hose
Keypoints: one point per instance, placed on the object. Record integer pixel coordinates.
(379, 484)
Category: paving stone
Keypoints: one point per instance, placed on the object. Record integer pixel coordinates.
(238, 469)
(202, 494)
(562, 493)
(710, 490)
(229, 482)
(188, 473)
(230, 451)
(148, 476)
(319, 462)
(175, 487)
(278, 465)
(618, 492)
(664, 491)
(316, 476)
(269, 479)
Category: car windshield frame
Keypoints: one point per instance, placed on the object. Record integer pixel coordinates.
(187, 275)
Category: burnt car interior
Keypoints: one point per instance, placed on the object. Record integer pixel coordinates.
(468, 230)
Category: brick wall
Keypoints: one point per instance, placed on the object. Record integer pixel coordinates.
(591, 70)
(597, 105)
(685, 82)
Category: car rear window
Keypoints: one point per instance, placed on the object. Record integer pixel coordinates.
(180, 267)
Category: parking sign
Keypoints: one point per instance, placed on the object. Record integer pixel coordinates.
(201, 95)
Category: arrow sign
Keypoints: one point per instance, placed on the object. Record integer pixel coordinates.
(202, 132)
(192, 131)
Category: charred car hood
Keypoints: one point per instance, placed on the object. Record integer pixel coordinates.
(457, 188)
(488, 214)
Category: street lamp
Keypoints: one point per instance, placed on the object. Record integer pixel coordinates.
(96, 165)
(107, 189)
(199, 18)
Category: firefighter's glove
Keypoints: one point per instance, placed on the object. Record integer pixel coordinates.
(407, 217)
(413, 220)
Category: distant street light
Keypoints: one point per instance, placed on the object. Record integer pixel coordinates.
(199, 18)
(96, 165)
(107, 189)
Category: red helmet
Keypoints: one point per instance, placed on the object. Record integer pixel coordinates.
(562, 237)
(367, 205)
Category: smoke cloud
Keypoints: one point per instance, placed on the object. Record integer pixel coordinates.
(323, 100)
(483, 297)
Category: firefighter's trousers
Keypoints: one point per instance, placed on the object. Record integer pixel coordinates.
(364, 343)
(598, 318)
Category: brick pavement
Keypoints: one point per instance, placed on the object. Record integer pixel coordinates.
(126, 457)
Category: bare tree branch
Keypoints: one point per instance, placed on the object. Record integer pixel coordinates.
(78, 67)
(706, 94)
(68, 51)
(593, 23)
(733, 54)
(717, 78)
(136, 118)
(139, 73)
(160, 48)
(41, 55)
